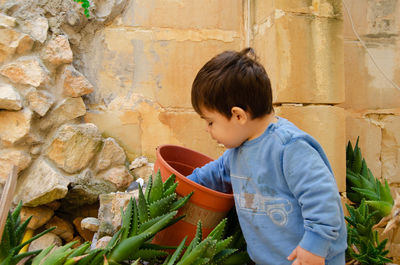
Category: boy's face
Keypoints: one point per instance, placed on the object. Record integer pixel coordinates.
(229, 132)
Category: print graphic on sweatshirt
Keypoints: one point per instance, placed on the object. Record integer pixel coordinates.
(252, 200)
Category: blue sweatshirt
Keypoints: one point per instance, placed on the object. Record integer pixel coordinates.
(285, 194)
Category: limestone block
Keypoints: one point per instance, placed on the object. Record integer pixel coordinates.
(142, 129)
(345, 201)
(264, 10)
(64, 229)
(79, 242)
(158, 128)
(111, 154)
(138, 162)
(394, 251)
(110, 211)
(12, 41)
(54, 205)
(25, 71)
(32, 138)
(74, 146)
(14, 125)
(87, 235)
(49, 239)
(53, 185)
(90, 223)
(123, 126)
(36, 27)
(391, 148)
(119, 176)
(189, 130)
(366, 87)
(370, 139)
(372, 19)
(73, 36)
(159, 64)
(9, 39)
(214, 14)
(7, 21)
(303, 55)
(57, 51)
(9, 98)
(10, 158)
(68, 109)
(25, 44)
(40, 216)
(143, 172)
(392, 236)
(74, 84)
(107, 10)
(85, 189)
(327, 125)
(39, 101)
(103, 242)
(181, 64)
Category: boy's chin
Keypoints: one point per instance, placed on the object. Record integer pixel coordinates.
(228, 145)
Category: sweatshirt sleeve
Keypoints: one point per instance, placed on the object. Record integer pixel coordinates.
(311, 181)
(214, 175)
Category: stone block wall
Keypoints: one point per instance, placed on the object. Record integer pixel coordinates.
(372, 82)
(62, 162)
(300, 44)
(128, 70)
(372, 88)
(143, 65)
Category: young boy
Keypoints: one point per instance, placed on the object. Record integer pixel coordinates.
(285, 194)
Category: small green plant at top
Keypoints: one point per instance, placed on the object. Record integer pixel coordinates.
(85, 5)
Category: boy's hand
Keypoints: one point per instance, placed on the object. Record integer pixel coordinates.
(304, 257)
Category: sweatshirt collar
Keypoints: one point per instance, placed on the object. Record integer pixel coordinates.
(271, 127)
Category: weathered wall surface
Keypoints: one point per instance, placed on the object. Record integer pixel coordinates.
(61, 161)
(127, 71)
(300, 43)
(143, 65)
(372, 100)
(372, 80)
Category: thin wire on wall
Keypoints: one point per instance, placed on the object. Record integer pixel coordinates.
(365, 47)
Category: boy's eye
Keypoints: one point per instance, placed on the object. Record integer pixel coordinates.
(210, 123)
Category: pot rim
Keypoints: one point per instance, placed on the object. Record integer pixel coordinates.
(184, 178)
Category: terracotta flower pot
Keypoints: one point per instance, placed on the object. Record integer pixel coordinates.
(206, 205)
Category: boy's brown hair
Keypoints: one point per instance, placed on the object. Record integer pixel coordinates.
(233, 79)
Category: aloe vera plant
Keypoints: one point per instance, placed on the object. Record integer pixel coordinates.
(371, 201)
(363, 241)
(62, 255)
(216, 248)
(11, 241)
(361, 184)
(155, 210)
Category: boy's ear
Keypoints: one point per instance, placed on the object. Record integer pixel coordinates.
(239, 114)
